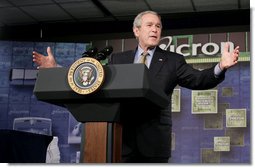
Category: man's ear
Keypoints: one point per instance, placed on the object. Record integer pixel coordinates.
(136, 31)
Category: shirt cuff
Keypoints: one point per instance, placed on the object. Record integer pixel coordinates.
(217, 70)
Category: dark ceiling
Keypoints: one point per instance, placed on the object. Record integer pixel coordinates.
(35, 19)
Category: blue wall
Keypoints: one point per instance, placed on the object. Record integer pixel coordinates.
(191, 138)
(19, 101)
(191, 135)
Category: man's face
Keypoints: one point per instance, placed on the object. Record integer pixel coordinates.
(150, 31)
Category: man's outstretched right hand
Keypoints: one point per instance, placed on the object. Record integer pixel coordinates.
(43, 61)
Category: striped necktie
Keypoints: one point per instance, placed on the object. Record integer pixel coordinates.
(143, 59)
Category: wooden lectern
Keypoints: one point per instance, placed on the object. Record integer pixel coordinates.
(101, 111)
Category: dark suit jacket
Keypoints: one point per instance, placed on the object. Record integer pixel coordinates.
(152, 137)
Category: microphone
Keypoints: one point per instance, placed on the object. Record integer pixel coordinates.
(90, 52)
(101, 55)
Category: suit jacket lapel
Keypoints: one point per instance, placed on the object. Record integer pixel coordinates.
(157, 61)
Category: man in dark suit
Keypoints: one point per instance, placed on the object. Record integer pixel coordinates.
(149, 140)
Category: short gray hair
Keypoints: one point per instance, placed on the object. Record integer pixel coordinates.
(138, 19)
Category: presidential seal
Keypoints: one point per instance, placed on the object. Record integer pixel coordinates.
(85, 75)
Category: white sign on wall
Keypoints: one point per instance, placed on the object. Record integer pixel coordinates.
(208, 49)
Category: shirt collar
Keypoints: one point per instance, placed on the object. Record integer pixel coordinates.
(150, 51)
